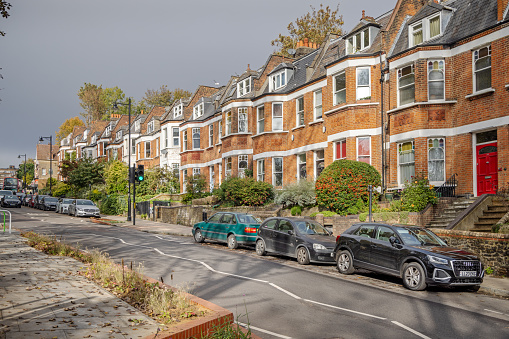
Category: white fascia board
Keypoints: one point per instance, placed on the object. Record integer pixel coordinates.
(354, 133)
(354, 63)
(147, 138)
(291, 96)
(206, 164)
(437, 54)
(237, 104)
(237, 152)
(449, 132)
(199, 124)
(294, 151)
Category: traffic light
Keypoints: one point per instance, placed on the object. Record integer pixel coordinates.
(140, 173)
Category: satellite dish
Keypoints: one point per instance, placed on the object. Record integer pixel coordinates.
(291, 51)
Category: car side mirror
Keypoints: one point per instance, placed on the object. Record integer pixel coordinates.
(290, 232)
(393, 240)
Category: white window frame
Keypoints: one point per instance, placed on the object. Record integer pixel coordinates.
(228, 167)
(301, 160)
(428, 29)
(196, 141)
(337, 91)
(299, 111)
(198, 110)
(148, 149)
(412, 30)
(150, 127)
(399, 145)
(165, 130)
(363, 94)
(184, 180)
(244, 87)
(425, 29)
(274, 173)
(118, 135)
(108, 130)
(475, 58)
(278, 80)
(336, 155)
(94, 139)
(352, 41)
(219, 131)
(212, 178)
(184, 143)
(196, 172)
(358, 157)
(228, 129)
(241, 171)
(317, 106)
(137, 125)
(440, 139)
(211, 135)
(317, 160)
(260, 119)
(442, 62)
(260, 170)
(177, 111)
(278, 117)
(242, 117)
(176, 136)
(399, 74)
(133, 146)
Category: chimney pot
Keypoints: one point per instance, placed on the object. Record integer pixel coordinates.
(363, 14)
(306, 42)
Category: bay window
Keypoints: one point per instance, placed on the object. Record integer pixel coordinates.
(436, 80)
(406, 161)
(436, 160)
(340, 89)
(277, 117)
(406, 85)
(363, 83)
(242, 120)
(299, 108)
(277, 171)
(260, 119)
(301, 166)
(364, 149)
(317, 96)
(260, 170)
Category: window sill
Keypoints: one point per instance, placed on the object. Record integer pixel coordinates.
(232, 134)
(486, 91)
(344, 107)
(206, 149)
(192, 150)
(319, 121)
(422, 103)
(298, 127)
(270, 132)
(507, 86)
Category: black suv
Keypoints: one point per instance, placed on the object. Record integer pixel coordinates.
(415, 254)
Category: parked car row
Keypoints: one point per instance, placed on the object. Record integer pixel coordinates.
(415, 254)
(75, 207)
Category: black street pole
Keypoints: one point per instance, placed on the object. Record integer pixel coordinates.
(50, 159)
(24, 171)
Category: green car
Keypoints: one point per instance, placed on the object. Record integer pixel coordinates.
(232, 228)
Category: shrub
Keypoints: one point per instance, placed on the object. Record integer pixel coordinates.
(113, 204)
(301, 193)
(352, 210)
(324, 213)
(296, 210)
(344, 182)
(417, 194)
(244, 192)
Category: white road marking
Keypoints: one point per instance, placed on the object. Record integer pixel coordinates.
(495, 311)
(345, 309)
(410, 330)
(285, 291)
(263, 331)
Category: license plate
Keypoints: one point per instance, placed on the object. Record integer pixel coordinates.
(468, 274)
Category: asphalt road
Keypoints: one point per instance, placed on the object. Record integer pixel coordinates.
(280, 299)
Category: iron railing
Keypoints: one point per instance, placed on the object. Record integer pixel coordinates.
(448, 188)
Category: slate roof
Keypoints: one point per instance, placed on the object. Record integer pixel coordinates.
(468, 18)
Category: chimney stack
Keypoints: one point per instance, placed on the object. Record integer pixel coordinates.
(501, 6)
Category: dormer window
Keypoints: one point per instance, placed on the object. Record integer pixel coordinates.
(119, 135)
(108, 130)
(177, 111)
(244, 87)
(278, 80)
(94, 139)
(198, 111)
(150, 127)
(137, 125)
(358, 42)
(76, 140)
(425, 30)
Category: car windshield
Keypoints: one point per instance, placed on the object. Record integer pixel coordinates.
(67, 201)
(50, 199)
(309, 227)
(3, 192)
(248, 219)
(414, 236)
(84, 202)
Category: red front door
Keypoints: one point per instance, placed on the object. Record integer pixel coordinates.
(487, 169)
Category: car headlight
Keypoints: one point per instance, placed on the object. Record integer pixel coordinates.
(319, 247)
(437, 260)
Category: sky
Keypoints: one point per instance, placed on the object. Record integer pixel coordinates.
(53, 47)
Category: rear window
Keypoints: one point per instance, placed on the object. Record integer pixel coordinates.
(367, 231)
(3, 192)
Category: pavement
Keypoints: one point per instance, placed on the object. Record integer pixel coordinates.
(43, 296)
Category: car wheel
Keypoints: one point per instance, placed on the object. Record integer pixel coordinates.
(260, 247)
(232, 242)
(302, 256)
(413, 277)
(198, 237)
(344, 263)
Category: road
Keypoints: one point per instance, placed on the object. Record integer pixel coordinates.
(281, 298)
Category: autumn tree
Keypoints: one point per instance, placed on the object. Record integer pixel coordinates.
(116, 177)
(4, 12)
(315, 26)
(162, 97)
(67, 127)
(28, 170)
(98, 102)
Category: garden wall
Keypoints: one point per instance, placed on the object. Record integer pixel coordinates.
(492, 248)
(182, 215)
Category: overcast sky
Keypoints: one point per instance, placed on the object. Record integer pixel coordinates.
(53, 47)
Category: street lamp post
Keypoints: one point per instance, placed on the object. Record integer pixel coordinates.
(50, 159)
(24, 171)
(115, 106)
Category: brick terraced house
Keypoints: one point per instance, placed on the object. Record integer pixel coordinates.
(419, 90)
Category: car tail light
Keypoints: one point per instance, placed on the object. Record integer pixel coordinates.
(337, 238)
(250, 230)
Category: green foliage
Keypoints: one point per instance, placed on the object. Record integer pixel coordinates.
(301, 193)
(296, 210)
(86, 173)
(363, 216)
(158, 180)
(314, 26)
(489, 270)
(196, 187)
(116, 177)
(30, 171)
(417, 194)
(113, 204)
(61, 189)
(324, 213)
(343, 183)
(244, 192)
(95, 195)
(45, 189)
(161, 97)
(352, 210)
